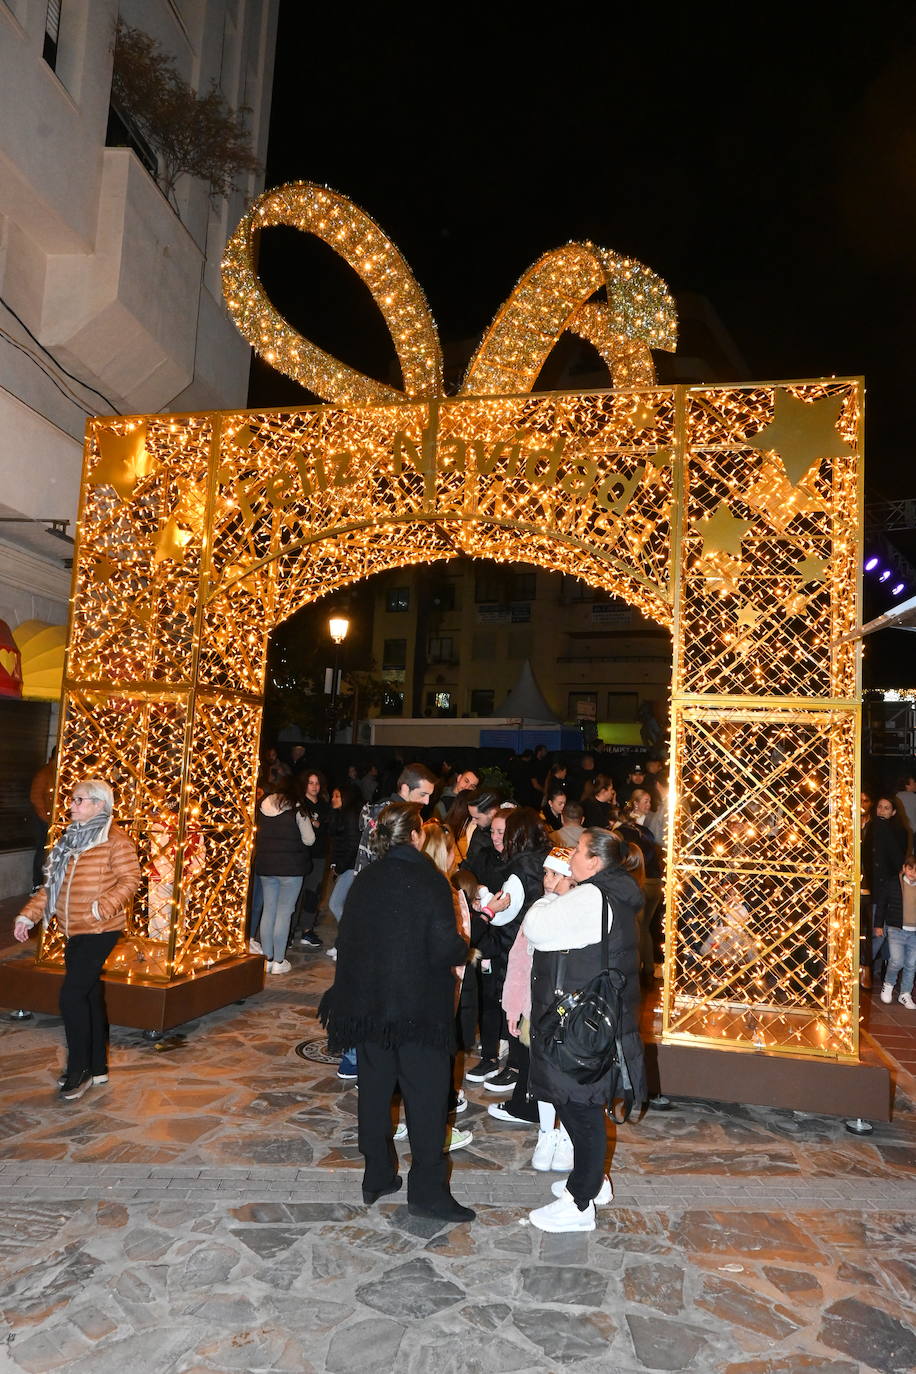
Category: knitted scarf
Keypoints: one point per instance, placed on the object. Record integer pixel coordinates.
(78, 836)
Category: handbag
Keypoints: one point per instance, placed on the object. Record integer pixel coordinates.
(579, 1034)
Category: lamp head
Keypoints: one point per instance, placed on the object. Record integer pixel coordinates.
(338, 625)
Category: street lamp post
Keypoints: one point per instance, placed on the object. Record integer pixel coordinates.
(338, 625)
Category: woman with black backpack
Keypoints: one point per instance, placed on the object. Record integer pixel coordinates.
(566, 936)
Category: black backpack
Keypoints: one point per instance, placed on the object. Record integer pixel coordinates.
(579, 1035)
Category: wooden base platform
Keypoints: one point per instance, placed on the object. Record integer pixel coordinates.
(147, 1006)
(797, 1082)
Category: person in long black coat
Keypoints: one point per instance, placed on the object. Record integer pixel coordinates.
(393, 997)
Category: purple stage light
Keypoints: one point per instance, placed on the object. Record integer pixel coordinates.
(900, 587)
(871, 563)
(885, 575)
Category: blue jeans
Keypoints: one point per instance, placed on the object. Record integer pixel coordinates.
(279, 901)
(903, 956)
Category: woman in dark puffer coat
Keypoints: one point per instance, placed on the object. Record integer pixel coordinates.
(566, 938)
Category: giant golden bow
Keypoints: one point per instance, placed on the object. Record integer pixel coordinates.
(621, 307)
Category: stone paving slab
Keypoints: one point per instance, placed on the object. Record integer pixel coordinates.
(23, 1179)
(203, 1212)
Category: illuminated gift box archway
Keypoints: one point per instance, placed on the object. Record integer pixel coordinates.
(730, 514)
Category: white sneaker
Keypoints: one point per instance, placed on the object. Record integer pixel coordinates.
(563, 1155)
(332, 953)
(563, 1215)
(254, 947)
(605, 1192)
(887, 993)
(544, 1151)
(905, 1000)
(282, 967)
(400, 1131)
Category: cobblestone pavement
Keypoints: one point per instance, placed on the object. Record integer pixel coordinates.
(202, 1212)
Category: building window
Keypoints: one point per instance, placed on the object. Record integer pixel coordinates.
(394, 654)
(392, 703)
(481, 702)
(488, 585)
(583, 706)
(441, 649)
(440, 703)
(523, 585)
(397, 599)
(444, 597)
(122, 132)
(52, 33)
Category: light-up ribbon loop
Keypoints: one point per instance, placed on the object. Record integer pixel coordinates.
(621, 307)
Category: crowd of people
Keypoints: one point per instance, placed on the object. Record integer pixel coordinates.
(466, 907)
(463, 908)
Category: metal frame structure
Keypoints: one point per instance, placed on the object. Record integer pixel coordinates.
(731, 514)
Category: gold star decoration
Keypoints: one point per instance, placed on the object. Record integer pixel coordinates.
(801, 433)
(123, 462)
(103, 569)
(812, 569)
(747, 616)
(661, 458)
(172, 543)
(643, 416)
(721, 532)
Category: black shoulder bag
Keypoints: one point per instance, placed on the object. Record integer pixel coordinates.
(580, 1034)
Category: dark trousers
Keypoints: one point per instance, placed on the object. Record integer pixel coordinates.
(518, 1104)
(82, 1001)
(587, 1131)
(306, 913)
(490, 1012)
(424, 1077)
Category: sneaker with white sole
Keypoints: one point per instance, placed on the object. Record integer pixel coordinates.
(461, 1103)
(97, 1079)
(563, 1154)
(905, 999)
(502, 1082)
(254, 947)
(280, 966)
(604, 1197)
(544, 1150)
(458, 1139)
(75, 1084)
(480, 1072)
(400, 1132)
(500, 1112)
(887, 993)
(332, 953)
(563, 1215)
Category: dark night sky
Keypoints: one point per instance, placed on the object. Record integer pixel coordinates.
(767, 162)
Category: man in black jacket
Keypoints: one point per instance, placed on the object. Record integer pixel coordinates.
(394, 999)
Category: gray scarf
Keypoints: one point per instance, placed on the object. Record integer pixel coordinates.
(78, 836)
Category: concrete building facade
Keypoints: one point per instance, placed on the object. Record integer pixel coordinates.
(110, 298)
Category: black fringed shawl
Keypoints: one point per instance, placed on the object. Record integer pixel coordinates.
(396, 949)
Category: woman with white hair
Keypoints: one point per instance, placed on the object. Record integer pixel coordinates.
(90, 875)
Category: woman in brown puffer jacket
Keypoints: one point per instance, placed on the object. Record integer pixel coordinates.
(91, 874)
